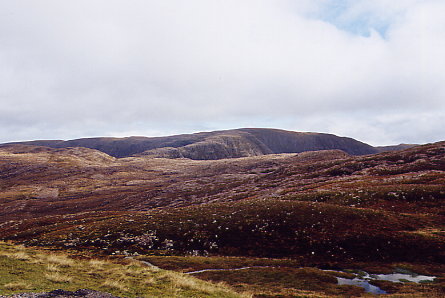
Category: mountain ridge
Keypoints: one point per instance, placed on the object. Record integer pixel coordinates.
(320, 209)
(215, 145)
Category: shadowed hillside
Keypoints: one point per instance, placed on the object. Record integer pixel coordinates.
(321, 208)
(217, 145)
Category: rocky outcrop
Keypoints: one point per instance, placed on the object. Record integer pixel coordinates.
(218, 144)
(213, 147)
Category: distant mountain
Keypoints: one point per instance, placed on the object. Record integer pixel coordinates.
(395, 147)
(325, 206)
(216, 145)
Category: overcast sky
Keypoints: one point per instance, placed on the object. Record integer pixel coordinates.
(372, 70)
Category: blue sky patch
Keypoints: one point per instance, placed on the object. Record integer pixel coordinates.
(338, 14)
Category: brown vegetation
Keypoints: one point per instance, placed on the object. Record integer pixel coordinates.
(322, 208)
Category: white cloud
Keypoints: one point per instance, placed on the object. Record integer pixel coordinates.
(81, 68)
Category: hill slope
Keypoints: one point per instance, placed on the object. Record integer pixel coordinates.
(216, 145)
(320, 208)
(42, 187)
(30, 270)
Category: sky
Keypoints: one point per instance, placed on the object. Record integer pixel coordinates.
(371, 70)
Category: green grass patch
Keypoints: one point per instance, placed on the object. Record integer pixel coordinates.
(28, 270)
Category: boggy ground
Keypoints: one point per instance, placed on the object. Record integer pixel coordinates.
(265, 277)
(324, 209)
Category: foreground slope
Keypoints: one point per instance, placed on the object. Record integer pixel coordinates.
(218, 144)
(27, 270)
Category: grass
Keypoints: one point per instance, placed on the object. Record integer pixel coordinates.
(312, 208)
(286, 278)
(52, 268)
(194, 263)
(115, 284)
(58, 278)
(60, 260)
(17, 286)
(43, 271)
(311, 205)
(282, 281)
(20, 255)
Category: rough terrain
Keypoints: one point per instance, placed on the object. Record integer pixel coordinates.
(321, 209)
(218, 144)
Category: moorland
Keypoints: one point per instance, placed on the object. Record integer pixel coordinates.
(282, 220)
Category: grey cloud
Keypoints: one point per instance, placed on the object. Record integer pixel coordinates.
(89, 68)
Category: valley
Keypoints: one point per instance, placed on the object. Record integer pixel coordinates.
(288, 217)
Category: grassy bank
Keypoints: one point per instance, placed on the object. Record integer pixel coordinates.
(28, 270)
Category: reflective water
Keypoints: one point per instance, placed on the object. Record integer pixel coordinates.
(362, 280)
(361, 283)
(399, 277)
(227, 269)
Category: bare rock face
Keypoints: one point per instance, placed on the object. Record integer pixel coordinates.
(211, 148)
(218, 144)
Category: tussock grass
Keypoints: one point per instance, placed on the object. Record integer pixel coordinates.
(57, 277)
(14, 286)
(115, 284)
(52, 268)
(181, 282)
(61, 260)
(148, 281)
(30, 270)
(132, 271)
(97, 264)
(185, 282)
(20, 255)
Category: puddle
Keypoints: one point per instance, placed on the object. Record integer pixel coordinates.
(229, 269)
(363, 278)
(399, 277)
(361, 283)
